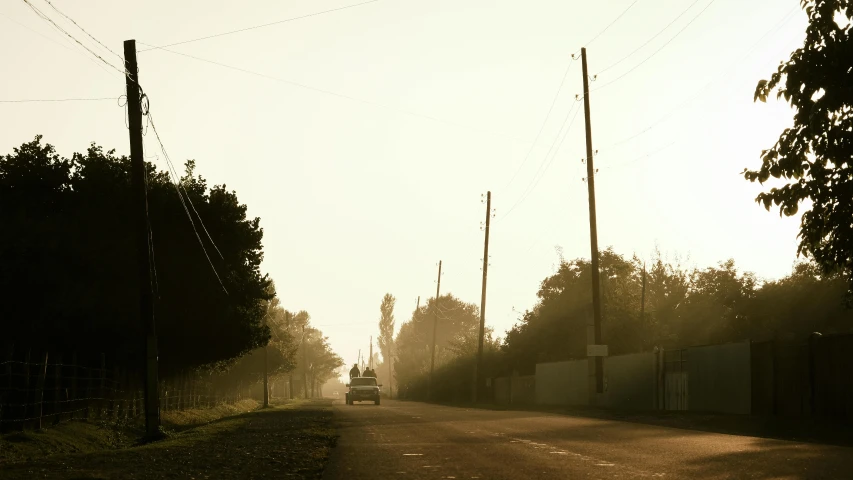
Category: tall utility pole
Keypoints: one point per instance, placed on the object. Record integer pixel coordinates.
(143, 240)
(434, 327)
(643, 301)
(479, 366)
(370, 362)
(593, 232)
(290, 383)
(266, 375)
(304, 363)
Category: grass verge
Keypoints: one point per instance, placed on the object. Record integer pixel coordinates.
(292, 440)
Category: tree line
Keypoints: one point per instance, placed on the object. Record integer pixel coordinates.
(69, 283)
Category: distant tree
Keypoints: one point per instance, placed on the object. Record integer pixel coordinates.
(815, 156)
(386, 331)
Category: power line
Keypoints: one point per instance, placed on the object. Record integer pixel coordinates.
(656, 51)
(609, 25)
(78, 52)
(785, 19)
(55, 25)
(177, 189)
(327, 92)
(544, 122)
(260, 26)
(58, 100)
(650, 40)
(84, 30)
(534, 185)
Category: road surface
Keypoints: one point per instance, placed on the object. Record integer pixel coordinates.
(410, 440)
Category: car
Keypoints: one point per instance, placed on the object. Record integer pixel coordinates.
(363, 389)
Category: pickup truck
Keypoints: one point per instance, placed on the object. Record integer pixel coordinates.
(363, 389)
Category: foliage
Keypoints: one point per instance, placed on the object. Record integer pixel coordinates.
(815, 156)
(69, 272)
(386, 329)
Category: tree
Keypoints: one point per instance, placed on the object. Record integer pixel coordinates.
(69, 272)
(814, 158)
(386, 331)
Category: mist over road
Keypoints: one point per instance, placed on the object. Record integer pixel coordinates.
(423, 441)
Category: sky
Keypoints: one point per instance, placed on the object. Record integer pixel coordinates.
(365, 137)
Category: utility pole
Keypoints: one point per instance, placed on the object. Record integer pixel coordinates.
(479, 365)
(143, 239)
(290, 383)
(434, 327)
(266, 375)
(593, 235)
(370, 361)
(643, 301)
(304, 363)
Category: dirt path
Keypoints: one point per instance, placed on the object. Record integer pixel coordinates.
(281, 442)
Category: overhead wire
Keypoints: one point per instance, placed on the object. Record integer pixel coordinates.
(608, 25)
(544, 122)
(258, 26)
(668, 42)
(723, 74)
(650, 39)
(186, 210)
(38, 100)
(63, 45)
(84, 30)
(535, 181)
(43, 16)
(328, 92)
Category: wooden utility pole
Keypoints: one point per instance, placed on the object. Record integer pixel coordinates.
(370, 361)
(643, 297)
(478, 368)
(266, 373)
(304, 363)
(434, 327)
(290, 383)
(593, 234)
(143, 245)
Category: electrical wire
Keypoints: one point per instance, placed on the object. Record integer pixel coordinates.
(534, 185)
(177, 189)
(641, 157)
(334, 94)
(84, 30)
(55, 25)
(544, 122)
(656, 51)
(650, 40)
(58, 100)
(609, 25)
(63, 45)
(776, 27)
(259, 26)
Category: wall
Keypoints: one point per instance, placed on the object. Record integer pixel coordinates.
(523, 390)
(630, 381)
(720, 378)
(502, 390)
(562, 383)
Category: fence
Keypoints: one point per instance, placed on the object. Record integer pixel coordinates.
(809, 378)
(36, 391)
(515, 390)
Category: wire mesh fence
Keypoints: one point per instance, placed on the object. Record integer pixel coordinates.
(42, 389)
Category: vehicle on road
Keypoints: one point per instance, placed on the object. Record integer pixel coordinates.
(363, 389)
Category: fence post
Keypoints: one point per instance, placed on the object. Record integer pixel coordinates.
(9, 396)
(57, 393)
(40, 388)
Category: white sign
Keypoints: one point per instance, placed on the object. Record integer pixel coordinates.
(596, 350)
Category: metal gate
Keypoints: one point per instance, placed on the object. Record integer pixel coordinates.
(675, 379)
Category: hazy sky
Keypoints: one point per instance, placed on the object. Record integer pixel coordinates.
(364, 195)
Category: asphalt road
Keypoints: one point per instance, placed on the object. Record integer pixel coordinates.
(422, 441)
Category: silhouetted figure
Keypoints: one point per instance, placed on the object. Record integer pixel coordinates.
(368, 372)
(354, 372)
